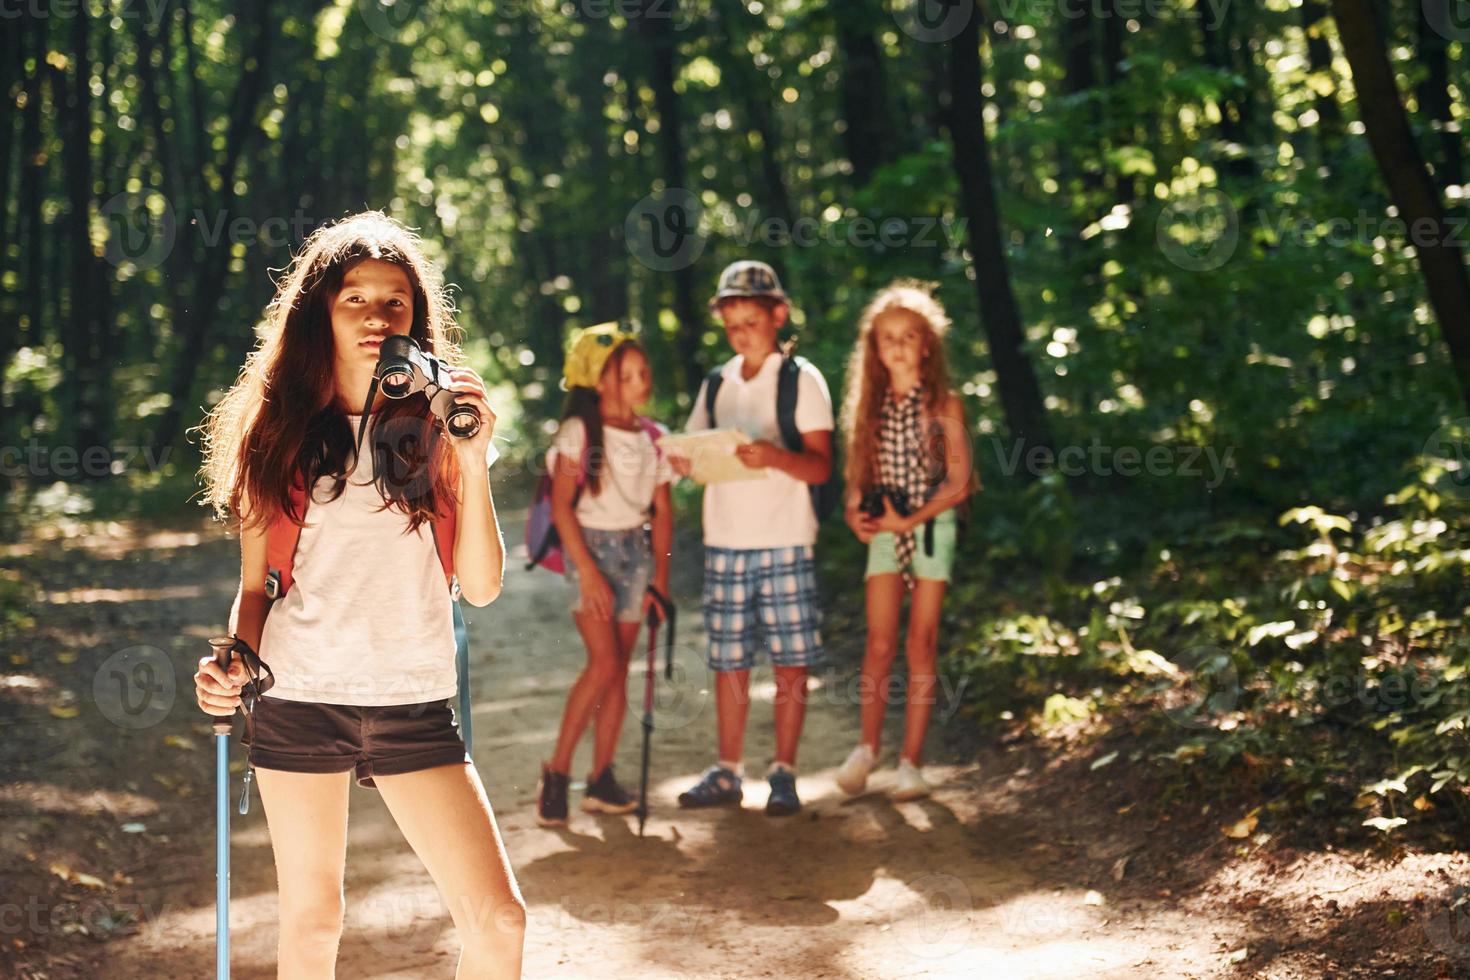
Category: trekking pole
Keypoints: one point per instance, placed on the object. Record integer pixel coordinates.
(223, 648)
(661, 602)
(648, 676)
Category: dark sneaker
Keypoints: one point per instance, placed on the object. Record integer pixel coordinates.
(604, 795)
(717, 787)
(551, 799)
(783, 801)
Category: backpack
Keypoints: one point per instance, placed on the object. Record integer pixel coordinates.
(825, 496)
(281, 538)
(543, 543)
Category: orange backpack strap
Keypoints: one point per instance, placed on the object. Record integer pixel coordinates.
(280, 543)
(444, 529)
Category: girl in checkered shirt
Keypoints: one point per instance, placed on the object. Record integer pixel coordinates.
(908, 470)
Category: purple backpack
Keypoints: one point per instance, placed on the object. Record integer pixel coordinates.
(543, 544)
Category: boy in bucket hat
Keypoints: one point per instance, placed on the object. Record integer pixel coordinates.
(759, 570)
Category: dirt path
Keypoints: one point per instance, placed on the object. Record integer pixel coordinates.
(966, 884)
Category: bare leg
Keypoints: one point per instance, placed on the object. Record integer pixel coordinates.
(923, 642)
(614, 703)
(732, 705)
(447, 820)
(306, 814)
(601, 640)
(790, 711)
(885, 602)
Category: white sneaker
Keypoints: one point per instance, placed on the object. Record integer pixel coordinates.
(910, 784)
(853, 776)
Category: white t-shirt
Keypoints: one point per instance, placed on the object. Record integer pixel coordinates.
(775, 512)
(632, 470)
(368, 620)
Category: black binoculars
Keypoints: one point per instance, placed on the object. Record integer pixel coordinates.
(404, 368)
(871, 504)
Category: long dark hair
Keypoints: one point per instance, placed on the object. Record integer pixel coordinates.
(283, 422)
(586, 404)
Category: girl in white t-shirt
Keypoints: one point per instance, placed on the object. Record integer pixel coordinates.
(362, 643)
(609, 482)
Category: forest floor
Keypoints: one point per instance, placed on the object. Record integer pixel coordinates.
(1029, 860)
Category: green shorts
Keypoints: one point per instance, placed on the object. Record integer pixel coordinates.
(883, 554)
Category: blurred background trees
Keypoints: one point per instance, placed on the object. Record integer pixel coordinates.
(1188, 225)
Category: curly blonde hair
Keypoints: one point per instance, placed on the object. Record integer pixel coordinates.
(867, 378)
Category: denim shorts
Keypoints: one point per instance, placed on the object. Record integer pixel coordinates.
(626, 561)
(368, 740)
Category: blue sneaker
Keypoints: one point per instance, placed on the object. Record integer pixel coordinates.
(717, 787)
(783, 801)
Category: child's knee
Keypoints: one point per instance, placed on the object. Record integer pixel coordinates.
(602, 671)
(922, 648)
(312, 923)
(881, 650)
(493, 941)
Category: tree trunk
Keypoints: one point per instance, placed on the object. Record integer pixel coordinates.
(81, 333)
(1319, 56)
(1408, 180)
(176, 184)
(33, 164)
(1434, 102)
(868, 134)
(755, 93)
(657, 25)
(239, 137)
(603, 273)
(1079, 76)
(1020, 395)
(12, 82)
(1235, 106)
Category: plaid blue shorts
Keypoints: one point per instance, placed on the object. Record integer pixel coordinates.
(770, 590)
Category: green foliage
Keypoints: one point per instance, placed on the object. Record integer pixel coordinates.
(1198, 242)
(1323, 660)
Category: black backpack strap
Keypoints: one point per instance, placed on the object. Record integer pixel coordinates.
(788, 383)
(712, 383)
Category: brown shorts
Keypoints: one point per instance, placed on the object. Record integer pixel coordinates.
(387, 740)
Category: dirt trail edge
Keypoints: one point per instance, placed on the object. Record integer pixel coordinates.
(970, 883)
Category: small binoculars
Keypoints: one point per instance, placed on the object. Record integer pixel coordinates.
(404, 368)
(872, 502)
